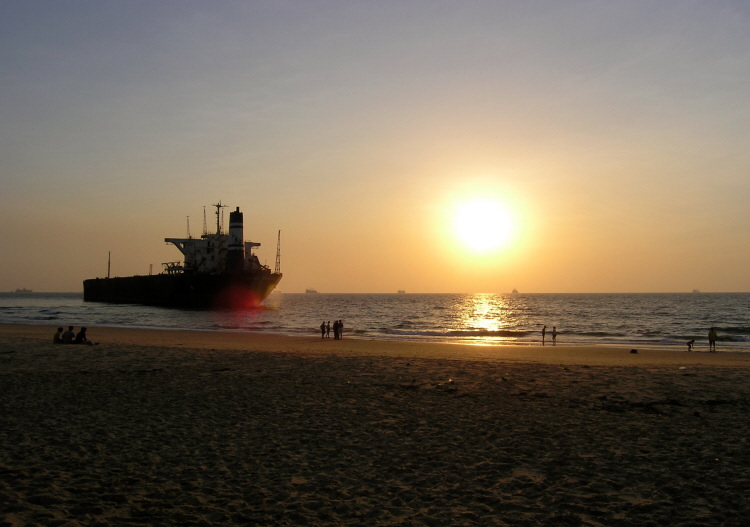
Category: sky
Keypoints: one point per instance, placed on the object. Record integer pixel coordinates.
(611, 136)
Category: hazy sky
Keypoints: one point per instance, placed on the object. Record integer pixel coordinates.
(615, 134)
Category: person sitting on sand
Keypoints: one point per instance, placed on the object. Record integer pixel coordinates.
(57, 339)
(81, 338)
(68, 336)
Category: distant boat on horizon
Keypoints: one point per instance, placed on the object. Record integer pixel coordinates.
(311, 291)
(401, 292)
(24, 290)
(514, 292)
(696, 291)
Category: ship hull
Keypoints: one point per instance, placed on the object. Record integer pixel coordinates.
(184, 291)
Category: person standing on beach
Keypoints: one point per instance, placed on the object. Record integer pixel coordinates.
(544, 334)
(328, 330)
(554, 335)
(712, 339)
(341, 329)
(335, 330)
(323, 330)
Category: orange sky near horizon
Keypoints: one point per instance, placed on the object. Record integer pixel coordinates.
(612, 134)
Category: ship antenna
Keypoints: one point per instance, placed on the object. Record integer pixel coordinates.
(278, 254)
(205, 225)
(188, 227)
(219, 216)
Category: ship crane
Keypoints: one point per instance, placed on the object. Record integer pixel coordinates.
(277, 270)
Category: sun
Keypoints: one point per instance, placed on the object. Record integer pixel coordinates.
(483, 225)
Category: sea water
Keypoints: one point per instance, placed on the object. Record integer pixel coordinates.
(659, 319)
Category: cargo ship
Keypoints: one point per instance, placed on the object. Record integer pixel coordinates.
(218, 270)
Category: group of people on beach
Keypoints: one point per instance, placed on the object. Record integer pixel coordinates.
(554, 335)
(338, 329)
(71, 337)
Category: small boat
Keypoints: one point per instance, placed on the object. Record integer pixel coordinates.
(401, 292)
(311, 291)
(24, 290)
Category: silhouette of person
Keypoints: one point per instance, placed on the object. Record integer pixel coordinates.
(68, 336)
(328, 330)
(81, 338)
(58, 336)
(335, 329)
(341, 329)
(690, 344)
(712, 339)
(323, 330)
(554, 335)
(544, 334)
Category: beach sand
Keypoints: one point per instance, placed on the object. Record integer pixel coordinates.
(158, 427)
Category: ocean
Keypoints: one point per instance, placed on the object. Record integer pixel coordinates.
(666, 320)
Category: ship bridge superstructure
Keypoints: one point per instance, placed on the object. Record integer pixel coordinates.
(216, 253)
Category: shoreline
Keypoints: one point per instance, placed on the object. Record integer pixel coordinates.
(173, 427)
(625, 323)
(563, 353)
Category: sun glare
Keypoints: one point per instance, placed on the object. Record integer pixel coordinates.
(483, 225)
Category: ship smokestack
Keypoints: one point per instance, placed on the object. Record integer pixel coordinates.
(236, 248)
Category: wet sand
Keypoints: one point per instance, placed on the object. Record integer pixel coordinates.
(166, 427)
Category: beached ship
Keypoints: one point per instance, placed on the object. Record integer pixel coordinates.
(218, 270)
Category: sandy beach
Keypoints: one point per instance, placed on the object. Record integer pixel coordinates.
(159, 427)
